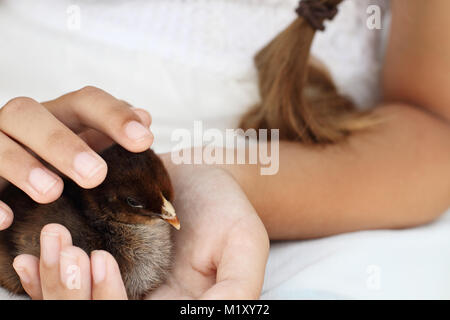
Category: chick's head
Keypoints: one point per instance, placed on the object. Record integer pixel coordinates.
(137, 189)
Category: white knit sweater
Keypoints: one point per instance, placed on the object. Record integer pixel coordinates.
(184, 60)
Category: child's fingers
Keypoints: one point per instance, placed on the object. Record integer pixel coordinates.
(30, 124)
(27, 173)
(94, 108)
(54, 238)
(107, 282)
(242, 263)
(99, 141)
(27, 268)
(145, 117)
(75, 275)
(6, 216)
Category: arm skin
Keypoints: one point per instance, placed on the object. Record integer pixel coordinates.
(417, 68)
(395, 176)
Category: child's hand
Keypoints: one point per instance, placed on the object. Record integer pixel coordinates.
(65, 133)
(220, 252)
(65, 272)
(222, 247)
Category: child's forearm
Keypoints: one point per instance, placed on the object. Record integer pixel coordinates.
(397, 175)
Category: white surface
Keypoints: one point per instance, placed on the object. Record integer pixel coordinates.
(187, 60)
(384, 264)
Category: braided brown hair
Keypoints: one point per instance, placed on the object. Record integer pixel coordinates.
(298, 96)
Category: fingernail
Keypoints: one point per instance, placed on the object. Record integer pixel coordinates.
(41, 181)
(50, 248)
(22, 273)
(87, 165)
(98, 266)
(3, 216)
(136, 131)
(70, 271)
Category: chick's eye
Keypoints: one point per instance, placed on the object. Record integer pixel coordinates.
(134, 203)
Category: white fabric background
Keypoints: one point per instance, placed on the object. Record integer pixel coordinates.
(187, 60)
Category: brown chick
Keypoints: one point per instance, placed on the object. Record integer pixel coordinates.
(127, 215)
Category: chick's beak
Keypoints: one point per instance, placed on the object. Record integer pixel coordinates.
(169, 215)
